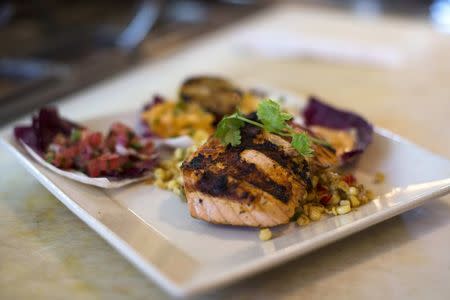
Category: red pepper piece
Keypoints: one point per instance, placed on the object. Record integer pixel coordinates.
(324, 199)
(349, 179)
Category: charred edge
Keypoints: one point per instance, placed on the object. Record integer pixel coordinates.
(329, 148)
(197, 162)
(273, 152)
(215, 180)
(213, 184)
(302, 170)
(241, 170)
(217, 185)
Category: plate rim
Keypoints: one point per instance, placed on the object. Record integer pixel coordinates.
(244, 270)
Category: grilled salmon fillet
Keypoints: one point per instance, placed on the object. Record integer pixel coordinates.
(259, 183)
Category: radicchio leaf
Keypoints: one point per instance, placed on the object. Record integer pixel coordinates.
(321, 114)
(46, 124)
(142, 127)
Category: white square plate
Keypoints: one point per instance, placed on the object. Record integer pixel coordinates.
(152, 228)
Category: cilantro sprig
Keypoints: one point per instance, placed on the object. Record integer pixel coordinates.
(272, 119)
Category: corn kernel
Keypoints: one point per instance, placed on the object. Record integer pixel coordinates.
(315, 213)
(370, 195)
(159, 173)
(334, 211)
(306, 208)
(363, 198)
(344, 202)
(315, 180)
(303, 220)
(265, 234)
(180, 180)
(178, 154)
(200, 136)
(329, 211)
(343, 186)
(178, 192)
(354, 201)
(320, 207)
(343, 209)
(311, 197)
(335, 199)
(305, 195)
(353, 191)
(173, 184)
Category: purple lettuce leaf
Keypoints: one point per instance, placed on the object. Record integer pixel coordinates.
(157, 99)
(46, 124)
(321, 114)
(142, 127)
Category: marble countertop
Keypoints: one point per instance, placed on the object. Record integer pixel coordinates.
(48, 253)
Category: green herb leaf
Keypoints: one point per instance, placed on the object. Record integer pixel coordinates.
(75, 135)
(302, 143)
(50, 157)
(229, 130)
(270, 114)
(272, 120)
(136, 145)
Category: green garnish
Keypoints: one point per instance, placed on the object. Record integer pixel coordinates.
(75, 135)
(229, 129)
(273, 120)
(302, 143)
(49, 157)
(270, 114)
(127, 165)
(136, 145)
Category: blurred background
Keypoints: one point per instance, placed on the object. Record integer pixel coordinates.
(51, 48)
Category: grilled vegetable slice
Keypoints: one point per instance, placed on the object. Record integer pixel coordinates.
(215, 94)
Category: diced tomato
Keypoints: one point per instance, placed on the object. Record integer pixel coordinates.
(105, 164)
(62, 162)
(95, 139)
(116, 162)
(70, 152)
(321, 188)
(102, 164)
(349, 179)
(85, 152)
(324, 199)
(96, 155)
(93, 168)
(56, 161)
(148, 149)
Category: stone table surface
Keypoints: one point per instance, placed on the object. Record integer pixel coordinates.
(48, 253)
